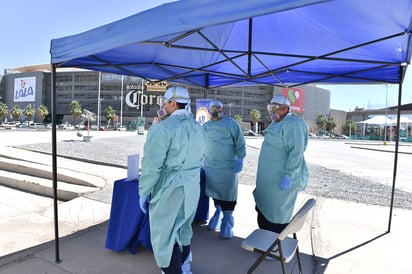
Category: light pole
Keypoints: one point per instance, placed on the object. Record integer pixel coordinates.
(99, 114)
(141, 101)
(230, 109)
(386, 113)
(121, 105)
(98, 102)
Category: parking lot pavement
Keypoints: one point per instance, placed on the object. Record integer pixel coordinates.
(341, 237)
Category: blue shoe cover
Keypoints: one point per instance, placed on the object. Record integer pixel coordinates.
(186, 264)
(215, 221)
(227, 225)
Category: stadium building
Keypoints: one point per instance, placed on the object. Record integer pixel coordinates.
(132, 97)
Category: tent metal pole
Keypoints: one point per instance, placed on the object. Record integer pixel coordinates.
(249, 49)
(54, 163)
(395, 162)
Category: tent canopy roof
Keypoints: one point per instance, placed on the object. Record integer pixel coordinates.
(402, 120)
(212, 43)
(381, 120)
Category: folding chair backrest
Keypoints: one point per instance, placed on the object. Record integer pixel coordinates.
(298, 219)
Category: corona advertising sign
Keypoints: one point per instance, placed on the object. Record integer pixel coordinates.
(156, 86)
(296, 97)
(136, 96)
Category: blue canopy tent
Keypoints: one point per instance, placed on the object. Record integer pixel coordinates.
(212, 43)
(217, 43)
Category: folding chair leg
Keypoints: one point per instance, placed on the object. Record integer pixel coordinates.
(284, 267)
(262, 257)
(299, 261)
(282, 258)
(258, 261)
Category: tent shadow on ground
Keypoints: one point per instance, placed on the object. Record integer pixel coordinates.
(321, 264)
(84, 252)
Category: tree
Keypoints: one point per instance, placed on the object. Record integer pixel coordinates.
(3, 111)
(29, 112)
(238, 118)
(75, 109)
(110, 114)
(255, 116)
(320, 123)
(16, 112)
(43, 112)
(349, 127)
(325, 124)
(330, 124)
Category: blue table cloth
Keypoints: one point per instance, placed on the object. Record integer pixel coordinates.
(128, 226)
(202, 213)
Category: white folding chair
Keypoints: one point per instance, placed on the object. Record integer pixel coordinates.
(278, 246)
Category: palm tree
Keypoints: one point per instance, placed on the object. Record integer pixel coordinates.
(320, 123)
(75, 110)
(29, 112)
(330, 124)
(3, 111)
(238, 118)
(16, 112)
(255, 116)
(110, 114)
(349, 127)
(43, 112)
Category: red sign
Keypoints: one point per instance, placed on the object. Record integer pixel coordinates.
(296, 97)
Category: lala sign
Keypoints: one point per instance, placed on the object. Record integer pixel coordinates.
(25, 89)
(135, 97)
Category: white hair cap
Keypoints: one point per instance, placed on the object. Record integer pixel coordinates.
(179, 94)
(281, 100)
(216, 104)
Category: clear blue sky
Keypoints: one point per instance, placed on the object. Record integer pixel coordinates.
(29, 25)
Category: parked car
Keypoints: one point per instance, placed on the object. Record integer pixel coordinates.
(312, 135)
(341, 136)
(250, 133)
(8, 125)
(36, 125)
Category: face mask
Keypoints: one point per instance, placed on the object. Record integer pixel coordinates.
(162, 113)
(274, 117)
(216, 114)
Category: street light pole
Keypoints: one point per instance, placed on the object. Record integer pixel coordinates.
(230, 109)
(386, 112)
(141, 101)
(121, 105)
(98, 101)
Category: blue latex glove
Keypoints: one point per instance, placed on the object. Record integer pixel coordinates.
(144, 203)
(285, 183)
(238, 166)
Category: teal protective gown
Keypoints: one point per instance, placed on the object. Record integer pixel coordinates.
(171, 175)
(225, 145)
(282, 153)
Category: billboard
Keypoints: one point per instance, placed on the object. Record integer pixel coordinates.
(25, 89)
(202, 110)
(296, 97)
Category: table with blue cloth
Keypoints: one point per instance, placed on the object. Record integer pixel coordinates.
(129, 226)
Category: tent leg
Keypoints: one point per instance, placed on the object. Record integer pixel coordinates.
(54, 163)
(395, 162)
